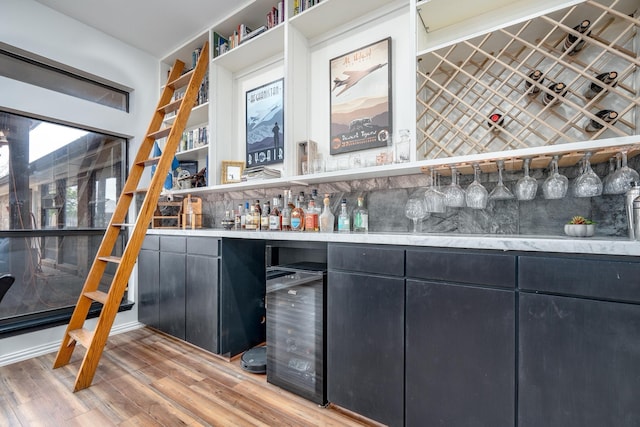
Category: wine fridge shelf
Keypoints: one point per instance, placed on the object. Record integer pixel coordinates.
(461, 86)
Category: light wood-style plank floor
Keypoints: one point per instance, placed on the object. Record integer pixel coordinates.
(148, 379)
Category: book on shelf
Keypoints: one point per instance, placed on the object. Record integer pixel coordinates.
(260, 172)
(302, 5)
(220, 44)
(254, 33)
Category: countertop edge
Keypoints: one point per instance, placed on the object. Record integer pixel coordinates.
(590, 245)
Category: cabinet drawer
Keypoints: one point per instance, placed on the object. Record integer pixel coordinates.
(173, 244)
(462, 267)
(151, 243)
(590, 277)
(203, 246)
(367, 259)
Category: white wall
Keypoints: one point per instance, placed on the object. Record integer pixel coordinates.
(35, 28)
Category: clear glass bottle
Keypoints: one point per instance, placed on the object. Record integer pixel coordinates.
(275, 219)
(327, 218)
(286, 211)
(245, 214)
(344, 225)
(255, 216)
(264, 216)
(238, 218)
(297, 216)
(360, 217)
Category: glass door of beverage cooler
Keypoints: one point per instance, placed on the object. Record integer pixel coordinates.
(295, 302)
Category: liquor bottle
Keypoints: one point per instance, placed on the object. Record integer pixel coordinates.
(607, 116)
(286, 211)
(297, 216)
(360, 217)
(572, 43)
(275, 218)
(536, 77)
(344, 225)
(250, 216)
(311, 217)
(606, 78)
(238, 218)
(245, 215)
(327, 218)
(255, 216)
(264, 217)
(558, 89)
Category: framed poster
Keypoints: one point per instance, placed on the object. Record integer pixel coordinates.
(265, 124)
(361, 98)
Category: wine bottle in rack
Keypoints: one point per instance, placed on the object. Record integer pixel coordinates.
(558, 89)
(535, 77)
(608, 116)
(609, 79)
(574, 44)
(496, 119)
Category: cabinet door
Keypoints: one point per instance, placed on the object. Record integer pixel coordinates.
(579, 362)
(172, 294)
(460, 355)
(148, 287)
(365, 345)
(202, 302)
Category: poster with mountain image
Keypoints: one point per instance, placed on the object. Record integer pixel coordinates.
(265, 124)
(361, 98)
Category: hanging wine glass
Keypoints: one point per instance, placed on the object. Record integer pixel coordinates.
(623, 177)
(415, 210)
(476, 195)
(555, 186)
(588, 184)
(453, 193)
(526, 187)
(500, 191)
(606, 183)
(433, 198)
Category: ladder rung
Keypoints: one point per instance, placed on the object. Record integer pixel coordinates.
(181, 81)
(137, 190)
(150, 162)
(83, 336)
(123, 225)
(172, 106)
(114, 259)
(98, 296)
(160, 133)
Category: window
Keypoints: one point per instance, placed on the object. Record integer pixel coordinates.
(58, 188)
(28, 68)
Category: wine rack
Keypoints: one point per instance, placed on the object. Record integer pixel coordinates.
(475, 96)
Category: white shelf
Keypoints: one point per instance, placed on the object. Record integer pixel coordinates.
(193, 154)
(267, 45)
(199, 116)
(448, 23)
(330, 14)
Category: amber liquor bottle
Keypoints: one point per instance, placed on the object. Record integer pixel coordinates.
(297, 217)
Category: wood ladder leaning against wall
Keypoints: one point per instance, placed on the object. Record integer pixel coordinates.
(94, 341)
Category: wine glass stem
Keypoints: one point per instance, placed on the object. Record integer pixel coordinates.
(415, 225)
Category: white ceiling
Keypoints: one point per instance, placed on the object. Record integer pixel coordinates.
(155, 26)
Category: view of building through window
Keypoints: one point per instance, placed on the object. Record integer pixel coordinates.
(58, 190)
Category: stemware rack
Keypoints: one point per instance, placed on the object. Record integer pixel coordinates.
(462, 85)
(567, 158)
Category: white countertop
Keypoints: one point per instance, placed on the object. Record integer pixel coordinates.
(585, 245)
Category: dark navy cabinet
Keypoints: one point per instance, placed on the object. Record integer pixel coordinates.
(365, 331)
(460, 339)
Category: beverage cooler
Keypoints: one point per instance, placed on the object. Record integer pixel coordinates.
(296, 311)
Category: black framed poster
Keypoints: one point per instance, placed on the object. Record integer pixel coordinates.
(361, 98)
(265, 124)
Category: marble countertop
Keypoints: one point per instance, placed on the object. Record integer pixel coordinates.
(585, 245)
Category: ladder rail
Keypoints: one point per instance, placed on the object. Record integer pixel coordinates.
(132, 248)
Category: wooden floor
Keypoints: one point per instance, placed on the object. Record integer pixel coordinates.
(148, 379)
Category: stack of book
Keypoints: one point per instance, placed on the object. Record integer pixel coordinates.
(260, 172)
(302, 5)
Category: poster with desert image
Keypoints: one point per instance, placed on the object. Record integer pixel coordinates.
(361, 98)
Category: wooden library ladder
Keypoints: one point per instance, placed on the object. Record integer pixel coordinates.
(94, 341)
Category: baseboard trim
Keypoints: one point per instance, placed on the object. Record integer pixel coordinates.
(53, 346)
